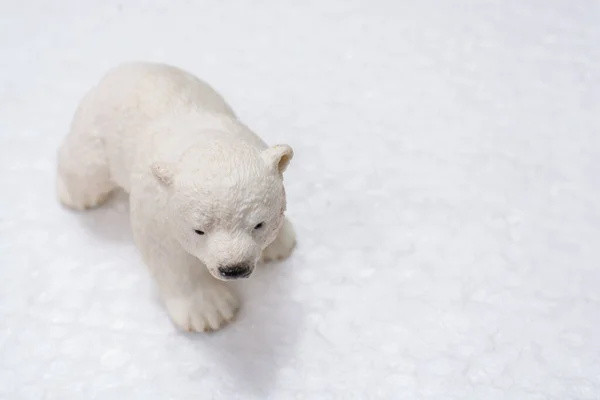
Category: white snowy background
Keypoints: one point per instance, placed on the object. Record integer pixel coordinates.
(445, 190)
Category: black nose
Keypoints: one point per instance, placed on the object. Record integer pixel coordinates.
(235, 271)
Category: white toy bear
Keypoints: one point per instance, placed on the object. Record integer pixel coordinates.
(207, 198)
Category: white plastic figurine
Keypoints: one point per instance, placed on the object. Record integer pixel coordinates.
(207, 198)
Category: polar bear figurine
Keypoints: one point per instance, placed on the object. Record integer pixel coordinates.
(206, 194)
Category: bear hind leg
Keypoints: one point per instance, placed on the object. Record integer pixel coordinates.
(83, 176)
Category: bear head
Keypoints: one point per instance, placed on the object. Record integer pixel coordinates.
(225, 203)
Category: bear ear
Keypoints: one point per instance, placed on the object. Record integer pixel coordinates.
(278, 157)
(164, 172)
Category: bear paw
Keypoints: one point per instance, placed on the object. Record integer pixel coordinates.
(87, 201)
(283, 245)
(207, 310)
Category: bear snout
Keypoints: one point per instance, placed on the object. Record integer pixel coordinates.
(235, 271)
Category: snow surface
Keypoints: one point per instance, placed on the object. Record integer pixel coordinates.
(445, 191)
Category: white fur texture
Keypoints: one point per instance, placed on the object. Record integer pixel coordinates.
(206, 193)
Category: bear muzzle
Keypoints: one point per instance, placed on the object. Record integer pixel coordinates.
(236, 271)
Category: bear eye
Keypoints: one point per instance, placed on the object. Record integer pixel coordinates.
(199, 232)
(259, 225)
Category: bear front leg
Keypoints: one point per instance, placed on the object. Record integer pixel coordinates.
(283, 245)
(209, 306)
(195, 301)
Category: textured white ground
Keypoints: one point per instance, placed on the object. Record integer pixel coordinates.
(445, 190)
